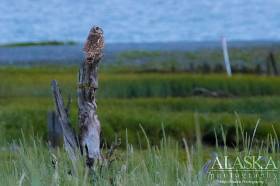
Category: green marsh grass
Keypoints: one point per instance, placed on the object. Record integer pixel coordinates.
(168, 163)
(176, 114)
(251, 59)
(36, 82)
(126, 102)
(151, 99)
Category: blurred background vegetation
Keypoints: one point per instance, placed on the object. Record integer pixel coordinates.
(153, 89)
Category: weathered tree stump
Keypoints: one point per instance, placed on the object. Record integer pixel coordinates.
(89, 125)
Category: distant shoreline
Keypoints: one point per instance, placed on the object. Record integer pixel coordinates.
(147, 45)
(72, 53)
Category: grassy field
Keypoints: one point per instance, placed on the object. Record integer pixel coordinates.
(169, 163)
(246, 59)
(128, 102)
(36, 82)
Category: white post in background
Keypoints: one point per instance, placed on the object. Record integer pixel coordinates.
(226, 58)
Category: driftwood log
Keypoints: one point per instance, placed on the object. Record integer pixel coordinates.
(88, 140)
(200, 91)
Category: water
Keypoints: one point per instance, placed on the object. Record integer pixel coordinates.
(139, 21)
